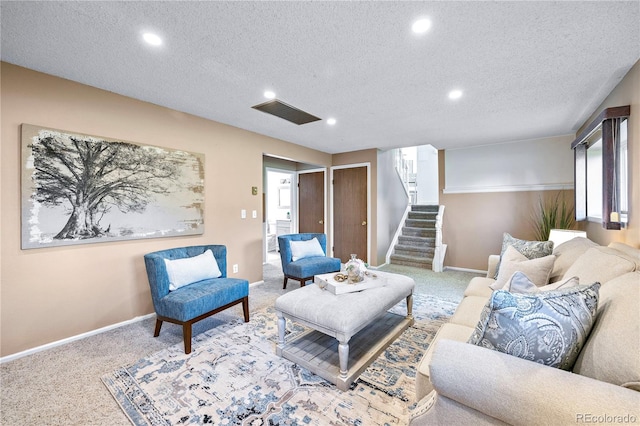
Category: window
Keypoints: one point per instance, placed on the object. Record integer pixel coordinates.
(623, 169)
(601, 169)
(594, 177)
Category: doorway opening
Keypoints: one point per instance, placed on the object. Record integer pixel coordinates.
(418, 169)
(280, 210)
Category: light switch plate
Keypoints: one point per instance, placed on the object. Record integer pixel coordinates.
(243, 214)
(254, 214)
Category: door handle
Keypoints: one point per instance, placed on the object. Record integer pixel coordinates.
(364, 223)
(321, 222)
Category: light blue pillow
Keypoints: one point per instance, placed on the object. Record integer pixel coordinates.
(548, 327)
(520, 283)
(308, 248)
(189, 270)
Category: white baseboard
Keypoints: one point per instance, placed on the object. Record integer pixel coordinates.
(72, 339)
(453, 268)
(475, 271)
(378, 267)
(83, 335)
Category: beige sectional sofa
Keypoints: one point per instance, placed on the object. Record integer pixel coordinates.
(461, 383)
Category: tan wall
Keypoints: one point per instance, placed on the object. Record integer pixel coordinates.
(53, 293)
(365, 156)
(474, 223)
(50, 294)
(626, 93)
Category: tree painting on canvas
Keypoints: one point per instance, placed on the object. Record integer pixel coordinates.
(85, 189)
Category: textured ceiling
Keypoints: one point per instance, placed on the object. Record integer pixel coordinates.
(527, 69)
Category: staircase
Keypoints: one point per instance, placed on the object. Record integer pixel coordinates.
(420, 241)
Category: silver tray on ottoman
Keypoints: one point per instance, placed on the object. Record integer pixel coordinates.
(328, 282)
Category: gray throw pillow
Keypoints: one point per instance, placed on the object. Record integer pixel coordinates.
(530, 249)
(549, 327)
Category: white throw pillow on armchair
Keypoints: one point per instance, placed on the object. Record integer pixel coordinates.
(307, 248)
(189, 270)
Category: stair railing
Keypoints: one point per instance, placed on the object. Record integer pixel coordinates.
(396, 236)
(402, 168)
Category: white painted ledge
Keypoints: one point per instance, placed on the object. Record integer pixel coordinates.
(508, 188)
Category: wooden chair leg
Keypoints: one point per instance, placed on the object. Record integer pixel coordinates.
(245, 308)
(285, 282)
(158, 326)
(186, 330)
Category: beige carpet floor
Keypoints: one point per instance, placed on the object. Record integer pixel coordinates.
(62, 386)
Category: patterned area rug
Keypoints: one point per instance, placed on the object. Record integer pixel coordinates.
(233, 377)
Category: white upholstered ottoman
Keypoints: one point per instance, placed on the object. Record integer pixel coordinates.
(348, 331)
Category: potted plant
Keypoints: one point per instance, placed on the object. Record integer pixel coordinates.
(553, 213)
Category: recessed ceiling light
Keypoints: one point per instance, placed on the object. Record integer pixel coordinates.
(269, 94)
(455, 94)
(421, 26)
(331, 121)
(152, 39)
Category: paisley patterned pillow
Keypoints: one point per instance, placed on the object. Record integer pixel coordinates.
(530, 249)
(547, 327)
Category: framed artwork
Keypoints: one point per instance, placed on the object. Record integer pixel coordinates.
(284, 197)
(79, 189)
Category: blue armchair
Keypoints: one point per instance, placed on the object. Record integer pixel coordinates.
(196, 301)
(304, 269)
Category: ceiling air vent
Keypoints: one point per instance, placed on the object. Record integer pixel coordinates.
(287, 112)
